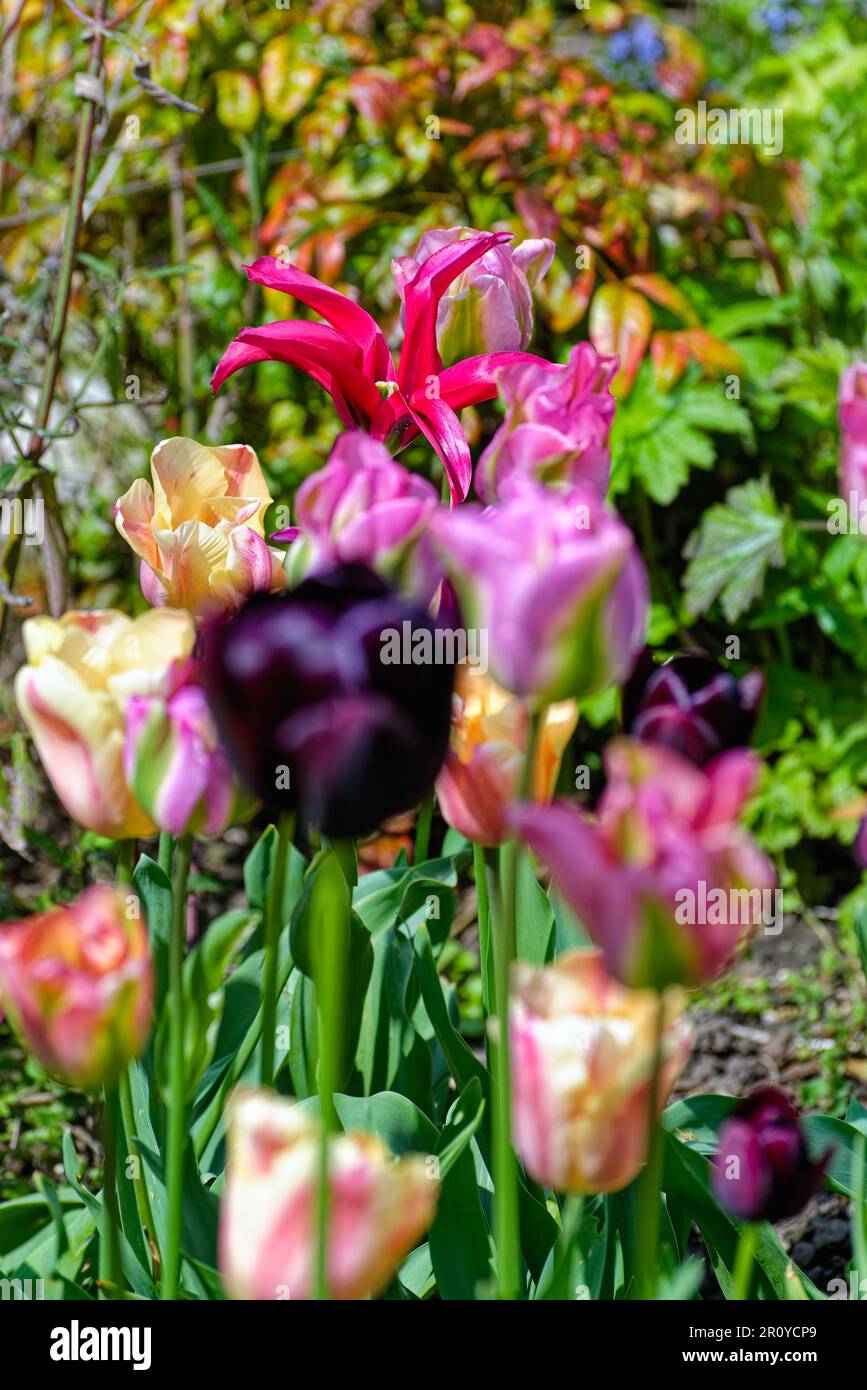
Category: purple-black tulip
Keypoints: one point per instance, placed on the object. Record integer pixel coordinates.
(762, 1170)
(691, 704)
(313, 717)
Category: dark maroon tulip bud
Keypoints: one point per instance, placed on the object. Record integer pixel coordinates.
(691, 704)
(318, 705)
(762, 1171)
(860, 845)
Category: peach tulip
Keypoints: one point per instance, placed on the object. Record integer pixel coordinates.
(77, 983)
(73, 694)
(199, 530)
(482, 772)
(379, 1205)
(583, 1049)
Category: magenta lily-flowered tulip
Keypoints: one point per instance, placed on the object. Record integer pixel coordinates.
(556, 582)
(489, 307)
(362, 508)
(349, 357)
(662, 877)
(557, 427)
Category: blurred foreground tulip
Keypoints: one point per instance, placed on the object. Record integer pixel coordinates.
(81, 671)
(583, 1056)
(489, 307)
(762, 1170)
(77, 983)
(177, 769)
(324, 705)
(853, 440)
(481, 775)
(379, 1206)
(348, 356)
(557, 427)
(662, 878)
(691, 704)
(361, 508)
(199, 530)
(557, 584)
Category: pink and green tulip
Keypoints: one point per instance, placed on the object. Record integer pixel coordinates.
(361, 508)
(659, 876)
(176, 766)
(557, 427)
(557, 583)
(489, 307)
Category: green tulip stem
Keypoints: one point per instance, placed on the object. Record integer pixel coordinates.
(422, 829)
(481, 867)
(166, 853)
(506, 1213)
(125, 858)
(742, 1275)
(132, 1149)
(109, 1228)
(273, 927)
(330, 991)
(650, 1179)
(177, 1071)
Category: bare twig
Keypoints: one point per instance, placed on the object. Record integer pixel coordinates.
(55, 548)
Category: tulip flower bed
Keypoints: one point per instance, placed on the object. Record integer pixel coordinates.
(391, 797)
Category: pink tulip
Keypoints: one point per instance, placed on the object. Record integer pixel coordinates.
(481, 775)
(662, 878)
(853, 443)
(77, 983)
(176, 766)
(557, 426)
(489, 307)
(379, 1206)
(349, 357)
(556, 582)
(583, 1054)
(361, 508)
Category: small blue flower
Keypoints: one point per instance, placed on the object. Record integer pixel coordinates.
(646, 42)
(620, 46)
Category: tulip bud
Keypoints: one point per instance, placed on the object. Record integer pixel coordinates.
(199, 530)
(378, 1206)
(77, 984)
(362, 508)
(82, 670)
(583, 1058)
(557, 583)
(762, 1170)
(691, 704)
(662, 877)
(482, 771)
(557, 427)
(325, 706)
(489, 307)
(175, 766)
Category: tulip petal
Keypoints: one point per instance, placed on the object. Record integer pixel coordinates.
(442, 429)
(475, 379)
(354, 323)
